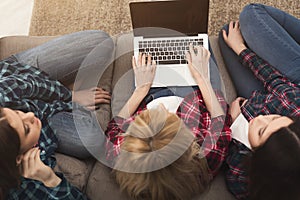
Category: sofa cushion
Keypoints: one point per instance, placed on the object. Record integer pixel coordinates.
(76, 171)
(122, 83)
(102, 185)
(103, 114)
(217, 190)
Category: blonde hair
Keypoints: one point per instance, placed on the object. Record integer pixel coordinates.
(152, 131)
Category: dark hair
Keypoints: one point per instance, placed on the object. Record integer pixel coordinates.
(275, 166)
(9, 150)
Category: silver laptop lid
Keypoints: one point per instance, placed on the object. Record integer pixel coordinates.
(189, 17)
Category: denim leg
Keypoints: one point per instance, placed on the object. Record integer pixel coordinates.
(214, 73)
(78, 133)
(62, 56)
(274, 36)
(155, 93)
(242, 77)
(180, 91)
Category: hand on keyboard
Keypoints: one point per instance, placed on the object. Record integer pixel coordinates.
(198, 59)
(144, 70)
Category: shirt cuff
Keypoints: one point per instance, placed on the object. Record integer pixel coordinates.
(244, 53)
(118, 120)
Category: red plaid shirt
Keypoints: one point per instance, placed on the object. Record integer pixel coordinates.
(212, 134)
(281, 96)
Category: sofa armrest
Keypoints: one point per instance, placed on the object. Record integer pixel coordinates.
(13, 44)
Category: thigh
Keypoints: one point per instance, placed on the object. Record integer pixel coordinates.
(243, 78)
(78, 133)
(274, 36)
(180, 91)
(62, 56)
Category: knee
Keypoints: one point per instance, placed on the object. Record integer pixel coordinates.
(252, 6)
(103, 37)
(104, 42)
(94, 37)
(248, 12)
(98, 36)
(225, 27)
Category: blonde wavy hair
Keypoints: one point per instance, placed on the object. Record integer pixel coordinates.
(160, 141)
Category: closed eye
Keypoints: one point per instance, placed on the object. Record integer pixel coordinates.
(261, 131)
(27, 129)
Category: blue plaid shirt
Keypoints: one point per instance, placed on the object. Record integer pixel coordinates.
(281, 96)
(26, 88)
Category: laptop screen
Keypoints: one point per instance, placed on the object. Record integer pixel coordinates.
(189, 17)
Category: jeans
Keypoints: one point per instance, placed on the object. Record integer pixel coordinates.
(274, 36)
(85, 52)
(214, 73)
(79, 133)
(155, 93)
(62, 57)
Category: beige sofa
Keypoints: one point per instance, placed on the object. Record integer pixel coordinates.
(89, 175)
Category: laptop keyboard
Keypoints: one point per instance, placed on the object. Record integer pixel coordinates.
(169, 51)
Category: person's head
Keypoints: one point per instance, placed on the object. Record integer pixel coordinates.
(151, 140)
(19, 132)
(274, 169)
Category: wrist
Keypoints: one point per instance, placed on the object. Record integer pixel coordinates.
(202, 80)
(52, 181)
(141, 91)
(239, 49)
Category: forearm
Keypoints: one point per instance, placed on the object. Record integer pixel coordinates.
(209, 97)
(47, 89)
(30, 87)
(266, 73)
(132, 104)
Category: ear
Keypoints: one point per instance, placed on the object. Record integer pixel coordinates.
(19, 159)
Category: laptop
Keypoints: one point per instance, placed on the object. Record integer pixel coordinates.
(165, 29)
